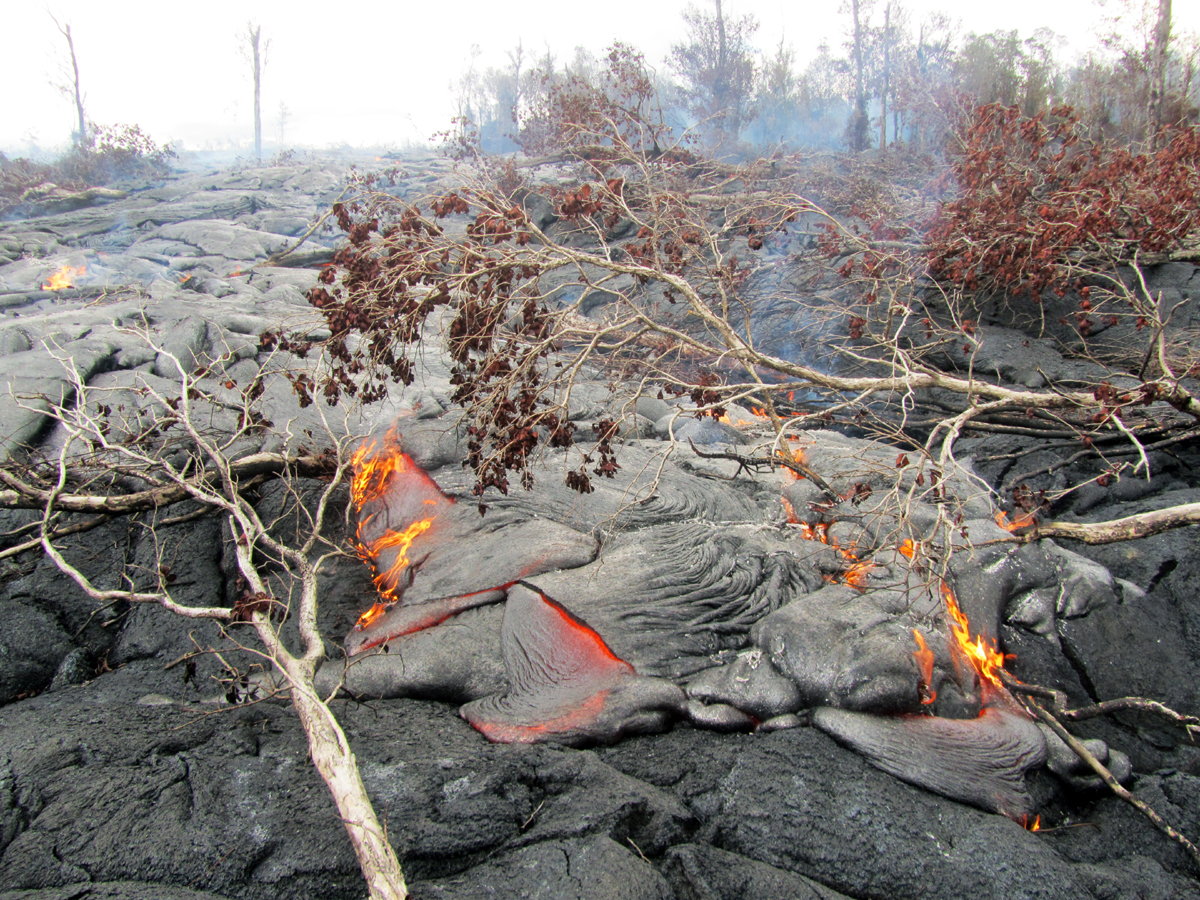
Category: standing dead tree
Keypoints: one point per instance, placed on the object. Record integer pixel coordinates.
(155, 441)
(257, 52)
(82, 138)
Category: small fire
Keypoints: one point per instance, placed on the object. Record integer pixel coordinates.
(1023, 521)
(377, 463)
(63, 278)
(924, 657)
(373, 467)
(798, 456)
(908, 548)
(400, 541)
(371, 615)
(234, 274)
(858, 570)
(1035, 825)
(759, 411)
(987, 660)
(183, 279)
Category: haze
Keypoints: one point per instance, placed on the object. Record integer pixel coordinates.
(375, 74)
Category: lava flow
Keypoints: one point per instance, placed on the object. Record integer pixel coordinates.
(63, 278)
(388, 486)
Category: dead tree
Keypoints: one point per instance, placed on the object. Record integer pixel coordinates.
(164, 447)
(82, 138)
(1158, 71)
(257, 55)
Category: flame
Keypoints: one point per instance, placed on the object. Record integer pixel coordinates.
(234, 274)
(62, 278)
(791, 396)
(924, 657)
(374, 466)
(1035, 825)
(401, 541)
(1025, 520)
(798, 456)
(908, 548)
(371, 615)
(857, 570)
(986, 659)
(376, 462)
(184, 278)
(759, 411)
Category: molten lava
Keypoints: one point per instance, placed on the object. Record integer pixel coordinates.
(857, 570)
(63, 278)
(986, 659)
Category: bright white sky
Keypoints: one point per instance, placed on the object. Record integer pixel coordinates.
(370, 73)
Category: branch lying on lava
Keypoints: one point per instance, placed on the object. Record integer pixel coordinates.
(1051, 718)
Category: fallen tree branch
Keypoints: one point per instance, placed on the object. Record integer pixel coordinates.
(1107, 777)
(1126, 529)
(22, 495)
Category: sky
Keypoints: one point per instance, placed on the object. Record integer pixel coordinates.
(369, 73)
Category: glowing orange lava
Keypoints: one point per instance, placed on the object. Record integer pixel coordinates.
(63, 278)
(856, 572)
(986, 659)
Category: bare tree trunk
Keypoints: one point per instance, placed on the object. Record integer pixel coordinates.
(254, 33)
(887, 18)
(859, 124)
(81, 138)
(1158, 71)
(721, 81)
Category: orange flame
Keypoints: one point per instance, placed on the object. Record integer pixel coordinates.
(798, 456)
(907, 548)
(1035, 825)
(986, 659)
(373, 467)
(62, 278)
(1025, 520)
(371, 615)
(401, 541)
(924, 657)
(234, 274)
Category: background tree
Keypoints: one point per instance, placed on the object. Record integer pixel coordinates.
(256, 52)
(716, 64)
(81, 135)
(856, 130)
